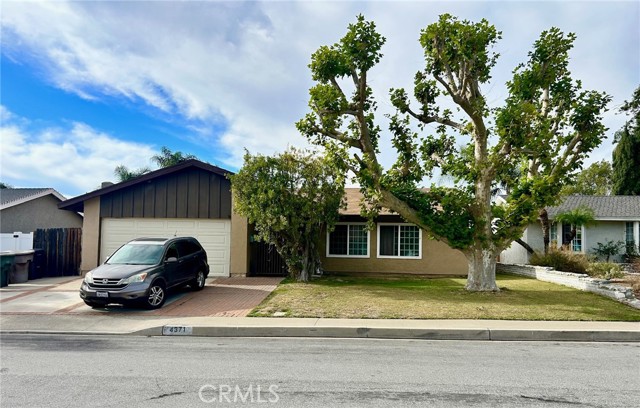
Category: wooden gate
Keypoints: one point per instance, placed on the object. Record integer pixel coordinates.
(62, 250)
(265, 261)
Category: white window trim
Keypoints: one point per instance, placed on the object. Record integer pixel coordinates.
(583, 232)
(635, 233)
(558, 228)
(368, 255)
(583, 237)
(398, 256)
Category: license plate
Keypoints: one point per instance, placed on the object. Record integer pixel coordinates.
(102, 294)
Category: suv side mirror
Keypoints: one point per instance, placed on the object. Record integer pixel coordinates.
(171, 259)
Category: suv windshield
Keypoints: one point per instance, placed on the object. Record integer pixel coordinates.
(137, 254)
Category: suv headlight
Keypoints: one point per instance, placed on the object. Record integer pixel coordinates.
(133, 279)
(88, 278)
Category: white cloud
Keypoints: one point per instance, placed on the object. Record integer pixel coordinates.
(74, 160)
(245, 64)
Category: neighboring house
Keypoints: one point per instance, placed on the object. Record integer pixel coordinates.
(189, 199)
(617, 218)
(28, 209)
(392, 246)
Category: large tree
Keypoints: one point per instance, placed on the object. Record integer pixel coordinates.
(594, 180)
(626, 155)
(290, 198)
(546, 127)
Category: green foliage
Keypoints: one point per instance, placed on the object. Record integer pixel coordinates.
(605, 270)
(122, 173)
(579, 216)
(531, 146)
(290, 198)
(564, 261)
(594, 180)
(609, 249)
(167, 158)
(626, 155)
(5, 185)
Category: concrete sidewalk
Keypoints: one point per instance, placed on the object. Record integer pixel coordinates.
(52, 305)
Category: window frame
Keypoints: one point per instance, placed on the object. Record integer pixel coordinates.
(580, 235)
(398, 224)
(364, 224)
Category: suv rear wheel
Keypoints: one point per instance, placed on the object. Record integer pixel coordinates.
(199, 281)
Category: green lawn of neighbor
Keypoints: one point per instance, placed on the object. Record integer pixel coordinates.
(405, 297)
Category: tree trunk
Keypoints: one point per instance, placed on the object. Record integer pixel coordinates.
(544, 222)
(525, 246)
(482, 271)
(304, 273)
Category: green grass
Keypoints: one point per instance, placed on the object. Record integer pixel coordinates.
(404, 297)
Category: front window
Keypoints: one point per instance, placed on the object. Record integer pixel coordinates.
(137, 254)
(402, 241)
(348, 240)
(553, 232)
(628, 234)
(576, 244)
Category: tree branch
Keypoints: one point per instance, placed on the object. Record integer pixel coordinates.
(430, 119)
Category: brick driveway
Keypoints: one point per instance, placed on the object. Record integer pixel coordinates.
(222, 297)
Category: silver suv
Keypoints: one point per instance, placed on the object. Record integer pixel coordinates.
(141, 271)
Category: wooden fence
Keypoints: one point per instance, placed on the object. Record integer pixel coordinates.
(62, 251)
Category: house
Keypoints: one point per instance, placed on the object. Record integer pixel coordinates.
(392, 246)
(194, 198)
(189, 199)
(617, 218)
(28, 209)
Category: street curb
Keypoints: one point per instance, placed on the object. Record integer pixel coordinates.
(404, 333)
(63, 332)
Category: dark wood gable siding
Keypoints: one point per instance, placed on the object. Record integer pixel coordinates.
(193, 193)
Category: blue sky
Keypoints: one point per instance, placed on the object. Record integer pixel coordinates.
(86, 86)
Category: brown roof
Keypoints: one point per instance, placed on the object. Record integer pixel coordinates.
(353, 196)
(77, 203)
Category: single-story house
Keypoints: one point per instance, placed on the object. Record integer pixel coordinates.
(28, 209)
(194, 198)
(392, 246)
(617, 218)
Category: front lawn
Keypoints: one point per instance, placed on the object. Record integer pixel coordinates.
(404, 297)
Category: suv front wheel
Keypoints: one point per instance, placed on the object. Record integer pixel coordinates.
(156, 296)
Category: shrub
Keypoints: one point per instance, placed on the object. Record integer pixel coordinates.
(562, 261)
(605, 270)
(609, 249)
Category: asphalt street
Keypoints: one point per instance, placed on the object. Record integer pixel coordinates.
(130, 371)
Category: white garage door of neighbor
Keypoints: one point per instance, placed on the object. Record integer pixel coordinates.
(214, 235)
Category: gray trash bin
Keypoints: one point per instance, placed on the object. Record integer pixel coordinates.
(20, 273)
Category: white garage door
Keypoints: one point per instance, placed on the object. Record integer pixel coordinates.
(214, 235)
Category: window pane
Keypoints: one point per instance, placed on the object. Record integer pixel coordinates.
(357, 240)
(629, 233)
(409, 240)
(553, 232)
(338, 240)
(577, 241)
(388, 240)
